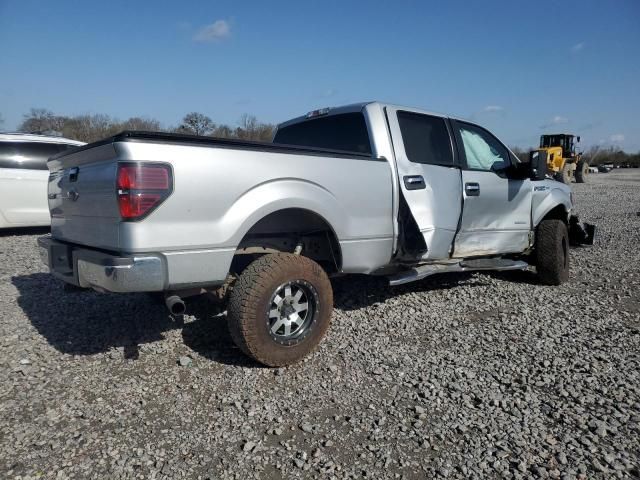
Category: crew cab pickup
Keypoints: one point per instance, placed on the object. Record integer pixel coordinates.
(368, 188)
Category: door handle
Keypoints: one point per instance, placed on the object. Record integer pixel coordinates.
(414, 182)
(472, 189)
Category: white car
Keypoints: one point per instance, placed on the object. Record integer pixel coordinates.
(24, 176)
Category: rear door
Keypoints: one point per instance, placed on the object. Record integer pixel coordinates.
(429, 176)
(496, 212)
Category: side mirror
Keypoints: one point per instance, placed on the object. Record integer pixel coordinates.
(537, 165)
(578, 138)
(518, 169)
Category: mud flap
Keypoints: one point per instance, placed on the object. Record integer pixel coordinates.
(581, 233)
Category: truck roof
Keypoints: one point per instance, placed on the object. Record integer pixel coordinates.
(355, 107)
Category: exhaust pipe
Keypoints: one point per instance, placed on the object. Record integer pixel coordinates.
(175, 304)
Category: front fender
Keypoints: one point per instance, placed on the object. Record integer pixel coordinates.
(548, 195)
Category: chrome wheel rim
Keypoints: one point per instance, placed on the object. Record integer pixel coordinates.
(292, 311)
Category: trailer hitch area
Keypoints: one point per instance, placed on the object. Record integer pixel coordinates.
(581, 233)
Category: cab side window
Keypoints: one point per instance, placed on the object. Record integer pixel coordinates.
(482, 150)
(425, 138)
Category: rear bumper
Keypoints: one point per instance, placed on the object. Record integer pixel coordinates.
(103, 271)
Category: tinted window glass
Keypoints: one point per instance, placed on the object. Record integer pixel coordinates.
(347, 132)
(482, 150)
(425, 138)
(28, 155)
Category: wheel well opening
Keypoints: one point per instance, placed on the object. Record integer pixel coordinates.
(286, 231)
(558, 213)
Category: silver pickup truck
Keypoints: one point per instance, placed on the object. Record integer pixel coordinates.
(369, 188)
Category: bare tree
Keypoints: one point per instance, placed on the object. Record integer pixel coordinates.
(222, 131)
(247, 126)
(265, 132)
(41, 120)
(141, 124)
(90, 128)
(250, 129)
(196, 124)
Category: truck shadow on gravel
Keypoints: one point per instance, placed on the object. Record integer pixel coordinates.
(17, 231)
(516, 276)
(354, 292)
(88, 323)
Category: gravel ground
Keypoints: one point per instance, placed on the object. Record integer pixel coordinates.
(459, 376)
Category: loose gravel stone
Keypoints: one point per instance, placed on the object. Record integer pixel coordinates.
(249, 446)
(184, 361)
(482, 375)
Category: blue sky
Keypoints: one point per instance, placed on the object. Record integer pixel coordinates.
(519, 68)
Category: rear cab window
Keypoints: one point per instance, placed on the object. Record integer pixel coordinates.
(29, 155)
(346, 132)
(425, 138)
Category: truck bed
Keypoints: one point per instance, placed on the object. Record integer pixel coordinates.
(221, 188)
(196, 140)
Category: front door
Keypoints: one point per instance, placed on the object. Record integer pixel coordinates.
(429, 177)
(496, 211)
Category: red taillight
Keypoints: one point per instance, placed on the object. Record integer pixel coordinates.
(143, 177)
(134, 205)
(141, 188)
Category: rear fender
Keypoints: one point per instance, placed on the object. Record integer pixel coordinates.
(212, 266)
(269, 197)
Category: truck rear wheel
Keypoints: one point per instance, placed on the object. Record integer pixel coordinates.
(552, 252)
(280, 308)
(564, 175)
(582, 171)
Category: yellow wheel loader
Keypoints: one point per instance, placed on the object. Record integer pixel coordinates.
(563, 162)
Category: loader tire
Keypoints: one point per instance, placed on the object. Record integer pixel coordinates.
(564, 175)
(552, 252)
(280, 309)
(582, 171)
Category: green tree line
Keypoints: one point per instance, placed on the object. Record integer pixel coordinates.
(90, 128)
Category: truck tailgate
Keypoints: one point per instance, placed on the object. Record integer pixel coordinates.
(82, 199)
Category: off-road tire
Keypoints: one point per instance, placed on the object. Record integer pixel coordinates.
(564, 175)
(552, 252)
(582, 171)
(250, 300)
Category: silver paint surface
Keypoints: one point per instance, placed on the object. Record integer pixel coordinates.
(220, 193)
